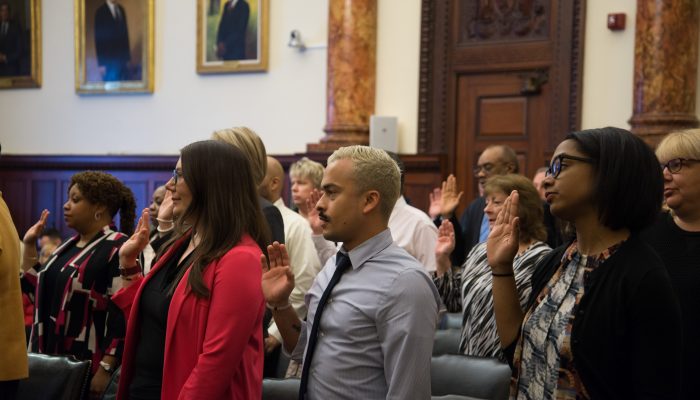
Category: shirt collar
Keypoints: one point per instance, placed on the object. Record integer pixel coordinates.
(112, 7)
(369, 248)
(279, 203)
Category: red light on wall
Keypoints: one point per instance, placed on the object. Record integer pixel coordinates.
(616, 21)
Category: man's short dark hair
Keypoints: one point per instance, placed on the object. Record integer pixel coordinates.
(628, 180)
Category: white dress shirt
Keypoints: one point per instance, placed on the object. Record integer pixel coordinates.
(413, 230)
(302, 257)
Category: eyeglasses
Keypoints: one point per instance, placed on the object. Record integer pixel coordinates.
(176, 175)
(674, 166)
(555, 167)
(487, 168)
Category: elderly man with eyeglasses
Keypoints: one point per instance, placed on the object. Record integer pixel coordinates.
(473, 227)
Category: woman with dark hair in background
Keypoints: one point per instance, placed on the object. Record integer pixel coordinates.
(194, 321)
(73, 313)
(676, 237)
(603, 321)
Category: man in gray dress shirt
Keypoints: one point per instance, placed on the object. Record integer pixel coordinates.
(375, 337)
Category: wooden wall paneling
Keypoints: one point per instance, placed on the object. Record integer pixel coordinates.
(32, 183)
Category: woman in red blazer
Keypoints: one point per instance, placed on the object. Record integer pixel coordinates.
(193, 328)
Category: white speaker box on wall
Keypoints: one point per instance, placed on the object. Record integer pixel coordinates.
(383, 133)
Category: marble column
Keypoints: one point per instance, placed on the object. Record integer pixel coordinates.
(351, 75)
(665, 68)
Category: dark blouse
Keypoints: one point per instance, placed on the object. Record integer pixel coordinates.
(153, 319)
(51, 299)
(74, 314)
(680, 252)
(626, 339)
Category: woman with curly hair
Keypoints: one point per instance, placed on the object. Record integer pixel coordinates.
(73, 313)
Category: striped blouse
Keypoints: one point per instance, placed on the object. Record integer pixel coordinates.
(469, 289)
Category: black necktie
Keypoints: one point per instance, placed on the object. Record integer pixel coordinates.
(342, 263)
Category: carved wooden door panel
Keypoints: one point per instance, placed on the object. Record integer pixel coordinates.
(495, 109)
(498, 72)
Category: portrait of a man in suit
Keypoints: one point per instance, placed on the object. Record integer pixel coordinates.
(10, 42)
(112, 42)
(231, 35)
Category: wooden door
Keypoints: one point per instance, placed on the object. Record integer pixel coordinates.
(498, 72)
(491, 109)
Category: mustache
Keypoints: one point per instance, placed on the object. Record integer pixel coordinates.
(323, 217)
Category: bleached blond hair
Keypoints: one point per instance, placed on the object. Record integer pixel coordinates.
(373, 169)
(307, 169)
(681, 144)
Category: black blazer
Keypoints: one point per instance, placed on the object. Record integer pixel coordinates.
(111, 37)
(11, 47)
(626, 338)
(232, 30)
(274, 221)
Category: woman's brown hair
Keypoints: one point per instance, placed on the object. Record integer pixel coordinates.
(530, 211)
(102, 188)
(224, 204)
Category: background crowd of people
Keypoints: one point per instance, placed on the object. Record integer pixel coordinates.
(584, 279)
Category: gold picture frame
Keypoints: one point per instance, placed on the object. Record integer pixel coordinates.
(20, 44)
(227, 42)
(114, 46)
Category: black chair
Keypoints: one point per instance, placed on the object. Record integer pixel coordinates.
(453, 321)
(280, 389)
(56, 378)
(472, 377)
(446, 342)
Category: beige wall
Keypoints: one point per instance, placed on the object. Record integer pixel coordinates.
(286, 105)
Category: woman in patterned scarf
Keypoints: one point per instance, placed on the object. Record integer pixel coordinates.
(602, 321)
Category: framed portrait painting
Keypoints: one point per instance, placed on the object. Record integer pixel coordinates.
(114, 46)
(232, 35)
(20, 44)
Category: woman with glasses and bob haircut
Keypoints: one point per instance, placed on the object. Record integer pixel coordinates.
(194, 321)
(676, 237)
(602, 321)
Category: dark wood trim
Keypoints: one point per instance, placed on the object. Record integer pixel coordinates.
(433, 78)
(436, 81)
(96, 162)
(31, 183)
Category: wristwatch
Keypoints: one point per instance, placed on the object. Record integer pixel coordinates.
(105, 366)
(125, 272)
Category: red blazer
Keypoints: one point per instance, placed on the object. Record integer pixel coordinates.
(213, 346)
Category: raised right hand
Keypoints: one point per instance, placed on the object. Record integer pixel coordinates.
(33, 233)
(446, 239)
(131, 249)
(312, 213)
(502, 243)
(450, 197)
(435, 208)
(277, 278)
